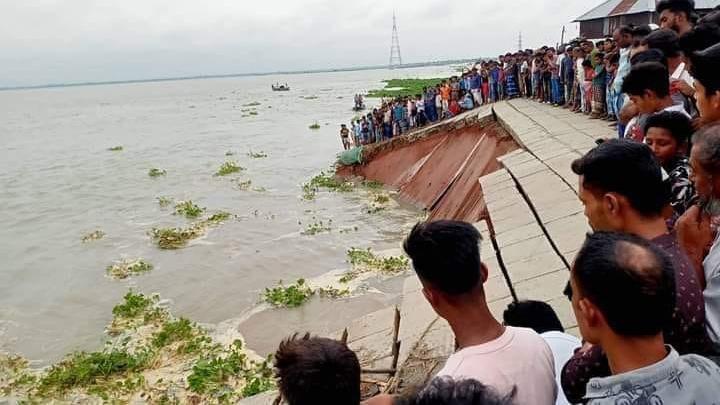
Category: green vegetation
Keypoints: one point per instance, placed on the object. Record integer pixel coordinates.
(229, 153)
(94, 370)
(253, 104)
(155, 172)
(332, 292)
(259, 189)
(244, 185)
(325, 180)
(116, 148)
(381, 198)
(175, 238)
(211, 375)
(253, 113)
(94, 235)
(403, 87)
(317, 227)
(229, 168)
(164, 201)
(364, 260)
(119, 373)
(348, 230)
(315, 125)
(290, 296)
(127, 268)
(310, 97)
(188, 209)
(257, 155)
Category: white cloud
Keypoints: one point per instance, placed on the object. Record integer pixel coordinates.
(45, 41)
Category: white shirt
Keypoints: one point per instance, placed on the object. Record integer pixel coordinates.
(519, 358)
(563, 347)
(580, 70)
(711, 294)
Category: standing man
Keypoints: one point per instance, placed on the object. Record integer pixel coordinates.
(677, 15)
(345, 136)
(623, 39)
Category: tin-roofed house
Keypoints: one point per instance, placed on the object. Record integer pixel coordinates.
(602, 20)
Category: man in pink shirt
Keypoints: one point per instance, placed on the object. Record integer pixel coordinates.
(446, 258)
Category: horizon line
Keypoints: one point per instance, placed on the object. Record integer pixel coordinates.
(228, 75)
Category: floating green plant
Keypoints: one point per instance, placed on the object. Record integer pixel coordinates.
(317, 227)
(188, 209)
(229, 167)
(128, 366)
(244, 185)
(94, 235)
(253, 104)
(259, 189)
(257, 155)
(290, 296)
(229, 153)
(325, 180)
(253, 113)
(349, 229)
(165, 201)
(127, 268)
(155, 172)
(315, 125)
(332, 292)
(381, 198)
(175, 238)
(364, 260)
(115, 148)
(217, 218)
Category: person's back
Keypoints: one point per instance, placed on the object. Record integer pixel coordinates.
(446, 258)
(541, 317)
(518, 358)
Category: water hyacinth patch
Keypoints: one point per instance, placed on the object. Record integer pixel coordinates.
(164, 201)
(290, 296)
(364, 260)
(315, 125)
(257, 155)
(253, 104)
(127, 268)
(155, 172)
(116, 148)
(325, 180)
(188, 209)
(317, 227)
(175, 238)
(228, 168)
(94, 235)
(244, 185)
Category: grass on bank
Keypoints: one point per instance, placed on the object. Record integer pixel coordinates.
(117, 374)
(403, 87)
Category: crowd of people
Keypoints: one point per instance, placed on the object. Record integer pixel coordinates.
(585, 76)
(645, 286)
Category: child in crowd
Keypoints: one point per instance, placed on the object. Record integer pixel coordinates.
(611, 66)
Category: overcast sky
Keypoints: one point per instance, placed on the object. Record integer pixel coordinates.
(60, 41)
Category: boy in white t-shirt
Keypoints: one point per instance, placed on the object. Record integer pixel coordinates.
(446, 258)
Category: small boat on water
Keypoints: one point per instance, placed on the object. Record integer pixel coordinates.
(280, 87)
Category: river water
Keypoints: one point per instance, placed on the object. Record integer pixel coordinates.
(58, 182)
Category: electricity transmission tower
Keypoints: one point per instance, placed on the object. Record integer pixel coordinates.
(395, 56)
(520, 48)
